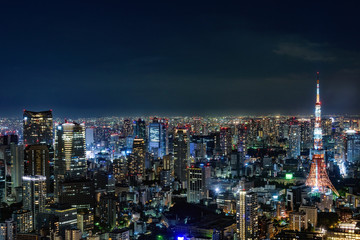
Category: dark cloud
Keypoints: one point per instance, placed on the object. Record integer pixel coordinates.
(307, 51)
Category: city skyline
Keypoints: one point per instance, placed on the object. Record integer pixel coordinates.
(176, 178)
(121, 59)
(169, 120)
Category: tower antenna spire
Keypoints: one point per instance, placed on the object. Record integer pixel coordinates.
(318, 178)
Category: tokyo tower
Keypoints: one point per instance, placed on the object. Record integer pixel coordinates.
(318, 178)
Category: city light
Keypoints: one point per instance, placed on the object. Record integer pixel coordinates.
(177, 121)
(289, 176)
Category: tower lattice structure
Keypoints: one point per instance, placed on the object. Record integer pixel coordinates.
(318, 178)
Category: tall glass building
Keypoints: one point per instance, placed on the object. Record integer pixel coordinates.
(34, 194)
(70, 152)
(38, 127)
(158, 138)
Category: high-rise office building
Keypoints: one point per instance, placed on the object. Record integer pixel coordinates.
(103, 181)
(24, 221)
(168, 163)
(170, 140)
(165, 178)
(352, 146)
(89, 136)
(306, 135)
(76, 192)
(236, 163)
(294, 139)
(158, 138)
(127, 129)
(37, 162)
(197, 183)
(38, 127)
(2, 175)
(72, 234)
(326, 125)
(311, 213)
(154, 137)
(181, 153)
(136, 160)
(108, 210)
(101, 135)
(85, 220)
(140, 129)
(120, 169)
(197, 126)
(11, 169)
(298, 221)
(16, 168)
(247, 216)
(70, 150)
(225, 140)
(8, 230)
(198, 147)
(242, 139)
(60, 217)
(164, 141)
(34, 194)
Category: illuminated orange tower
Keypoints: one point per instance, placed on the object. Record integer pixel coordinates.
(318, 178)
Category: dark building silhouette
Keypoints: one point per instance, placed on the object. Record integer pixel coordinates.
(37, 162)
(38, 127)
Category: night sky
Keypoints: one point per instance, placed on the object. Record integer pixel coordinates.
(112, 58)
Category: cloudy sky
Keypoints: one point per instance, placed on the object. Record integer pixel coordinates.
(100, 58)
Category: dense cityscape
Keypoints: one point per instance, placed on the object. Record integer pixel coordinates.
(179, 120)
(198, 178)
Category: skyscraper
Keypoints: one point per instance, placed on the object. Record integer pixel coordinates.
(298, 221)
(242, 139)
(225, 140)
(198, 179)
(247, 216)
(38, 162)
(155, 138)
(164, 142)
(76, 192)
(2, 178)
(70, 150)
(168, 163)
(140, 129)
(352, 146)
(311, 213)
(17, 168)
(294, 139)
(108, 209)
(136, 161)
(236, 163)
(38, 127)
(89, 136)
(120, 169)
(158, 138)
(181, 153)
(34, 194)
(127, 129)
(60, 217)
(11, 169)
(306, 135)
(197, 126)
(318, 178)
